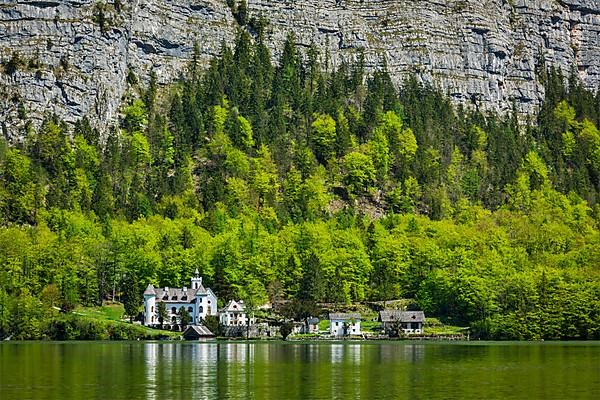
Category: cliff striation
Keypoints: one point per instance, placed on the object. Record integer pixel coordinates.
(72, 57)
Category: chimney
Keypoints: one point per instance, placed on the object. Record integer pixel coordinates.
(167, 289)
(184, 289)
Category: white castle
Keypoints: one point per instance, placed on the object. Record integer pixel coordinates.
(198, 301)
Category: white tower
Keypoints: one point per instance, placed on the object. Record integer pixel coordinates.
(149, 306)
(196, 280)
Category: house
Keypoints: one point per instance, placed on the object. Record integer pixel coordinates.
(408, 322)
(234, 314)
(344, 324)
(197, 300)
(310, 325)
(197, 332)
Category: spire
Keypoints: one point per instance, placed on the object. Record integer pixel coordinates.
(150, 290)
(196, 273)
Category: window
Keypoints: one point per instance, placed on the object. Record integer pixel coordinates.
(152, 319)
(173, 310)
(190, 309)
(174, 298)
(209, 302)
(152, 309)
(337, 323)
(173, 319)
(200, 309)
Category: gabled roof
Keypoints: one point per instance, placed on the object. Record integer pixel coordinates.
(234, 306)
(401, 316)
(176, 295)
(149, 290)
(344, 316)
(200, 291)
(197, 331)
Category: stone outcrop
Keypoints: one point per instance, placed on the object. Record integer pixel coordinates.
(74, 55)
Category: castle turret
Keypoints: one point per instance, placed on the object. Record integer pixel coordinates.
(150, 305)
(196, 280)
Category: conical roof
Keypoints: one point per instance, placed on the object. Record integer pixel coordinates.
(150, 290)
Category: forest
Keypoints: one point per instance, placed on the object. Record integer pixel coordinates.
(308, 181)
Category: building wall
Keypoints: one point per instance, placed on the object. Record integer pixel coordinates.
(149, 310)
(233, 318)
(336, 327)
(172, 314)
(212, 304)
(405, 327)
(413, 328)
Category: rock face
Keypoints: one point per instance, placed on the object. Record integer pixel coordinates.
(74, 55)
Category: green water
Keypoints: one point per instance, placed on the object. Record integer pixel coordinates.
(278, 370)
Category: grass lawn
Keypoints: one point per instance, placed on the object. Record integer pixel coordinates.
(370, 326)
(110, 312)
(114, 312)
(433, 326)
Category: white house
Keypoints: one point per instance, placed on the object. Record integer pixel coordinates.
(234, 314)
(344, 324)
(197, 300)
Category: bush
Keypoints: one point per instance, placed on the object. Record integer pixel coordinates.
(13, 64)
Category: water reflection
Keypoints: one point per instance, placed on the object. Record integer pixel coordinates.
(211, 370)
(150, 359)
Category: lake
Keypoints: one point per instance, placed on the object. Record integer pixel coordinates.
(299, 370)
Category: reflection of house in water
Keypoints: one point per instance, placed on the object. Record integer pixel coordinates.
(150, 359)
(204, 358)
(414, 352)
(401, 351)
(235, 352)
(175, 364)
(337, 353)
(345, 353)
(353, 353)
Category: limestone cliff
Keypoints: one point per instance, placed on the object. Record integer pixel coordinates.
(74, 55)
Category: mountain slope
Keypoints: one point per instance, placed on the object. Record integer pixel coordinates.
(73, 57)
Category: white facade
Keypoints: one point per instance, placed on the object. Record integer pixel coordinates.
(150, 308)
(417, 330)
(344, 324)
(197, 301)
(234, 314)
